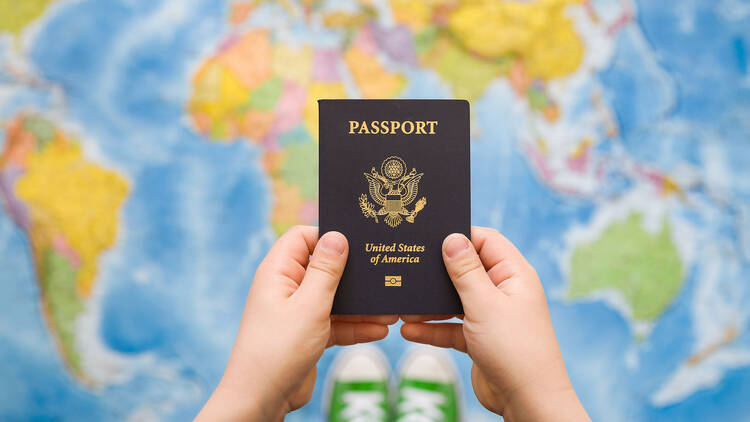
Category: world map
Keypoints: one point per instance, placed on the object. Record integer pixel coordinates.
(152, 151)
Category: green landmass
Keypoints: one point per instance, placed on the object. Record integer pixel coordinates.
(644, 268)
(220, 129)
(467, 74)
(301, 168)
(266, 94)
(42, 129)
(537, 99)
(424, 40)
(15, 15)
(58, 279)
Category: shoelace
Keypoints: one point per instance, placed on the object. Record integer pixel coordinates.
(363, 406)
(420, 406)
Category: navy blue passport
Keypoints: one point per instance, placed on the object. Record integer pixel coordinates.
(394, 178)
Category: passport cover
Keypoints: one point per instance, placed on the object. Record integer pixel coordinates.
(394, 178)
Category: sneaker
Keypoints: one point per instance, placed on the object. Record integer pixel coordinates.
(427, 387)
(357, 386)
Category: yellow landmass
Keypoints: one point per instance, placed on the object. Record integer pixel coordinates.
(467, 74)
(223, 85)
(581, 148)
(538, 32)
(556, 52)
(218, 96)
(340, 19)
(294, 64)
(670, 186)
(317, 91)
(541, 144)
(67, 194)
(15, 15)
(372, 79)
(414, 14)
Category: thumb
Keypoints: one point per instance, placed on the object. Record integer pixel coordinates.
(467, 273)
(324, 271)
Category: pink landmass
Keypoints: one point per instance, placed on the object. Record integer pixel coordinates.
(309, 212)
(624, 19)
(289, 108)
(325, 65)
(270, 142)
(365, 41)
(540, 163)
(580, 162)
(16, 208)
(654, 176)
(63, 247)
(227, 42)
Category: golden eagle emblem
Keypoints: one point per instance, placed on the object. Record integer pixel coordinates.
(393, 189)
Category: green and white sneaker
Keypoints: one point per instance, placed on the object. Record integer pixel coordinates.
(427, 387)
(357, 386)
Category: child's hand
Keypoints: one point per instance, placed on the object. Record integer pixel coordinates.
(518, 371)
(285, 327)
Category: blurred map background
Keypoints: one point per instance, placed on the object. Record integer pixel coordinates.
(152, 151)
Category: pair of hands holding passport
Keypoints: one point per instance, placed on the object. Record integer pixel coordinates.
(518, 371)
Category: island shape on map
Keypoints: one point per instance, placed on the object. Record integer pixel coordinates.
(643, 269)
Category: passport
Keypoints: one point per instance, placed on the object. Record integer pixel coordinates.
(394, 178)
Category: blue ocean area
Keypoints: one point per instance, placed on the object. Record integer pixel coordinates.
(195, 224)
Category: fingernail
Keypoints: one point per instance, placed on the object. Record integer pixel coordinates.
(333, 242)
(455, 244)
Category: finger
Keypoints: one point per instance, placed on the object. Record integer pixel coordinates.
(503, 261)
(492, 246)
(348, 333)
(468, 274)
(323, 272)
(442, 334)
(425, 317)
(500, 257)
(289, 256)
(377, 319)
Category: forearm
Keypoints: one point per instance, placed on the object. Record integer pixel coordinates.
(558, 406)
(229, 405)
